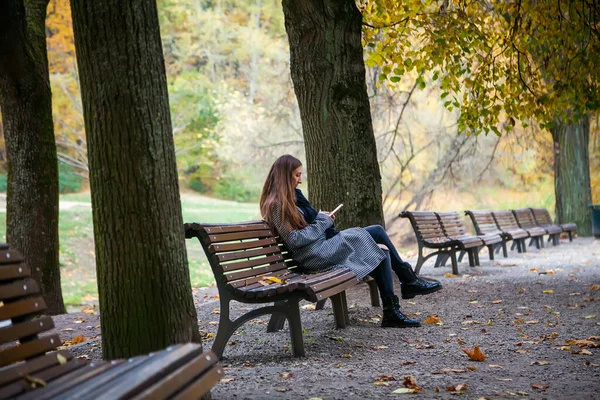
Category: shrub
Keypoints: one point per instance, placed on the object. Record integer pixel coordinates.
(68, 180)
(3, 183)
(234, 189)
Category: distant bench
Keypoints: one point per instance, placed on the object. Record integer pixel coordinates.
(251, 266)
(178, 372)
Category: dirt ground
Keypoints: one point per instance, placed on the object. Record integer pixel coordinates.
(524, 312)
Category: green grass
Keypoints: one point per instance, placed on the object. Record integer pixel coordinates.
(77, 259)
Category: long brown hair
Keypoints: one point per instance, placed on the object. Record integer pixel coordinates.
(279, 188)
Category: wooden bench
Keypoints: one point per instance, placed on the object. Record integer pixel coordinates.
(454, 228)
(244, 257)
(506, 222)
(543, 219)
(527, 221)
(431, 235)
(178, 372)
(484, 224)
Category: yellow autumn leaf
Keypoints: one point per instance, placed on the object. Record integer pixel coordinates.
(272, 279)
(548, 291)
(432, 319)
(62, 360)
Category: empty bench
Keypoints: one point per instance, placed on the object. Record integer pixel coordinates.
(430, 234)
(507, 223)
(543, 219)
(250, 266)
(178, 372)
(527, 221)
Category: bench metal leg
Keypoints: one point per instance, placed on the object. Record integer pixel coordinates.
(320, 304)
(420, 261)
(491, 249)
(374, 292)
(339, 311)
(504, 250)
(277, 320)
(471, 254)
(296, 329)
(540, 242)
(570, 236)
(476, 255)
(461, 255)
(523, 245)
(454, 262)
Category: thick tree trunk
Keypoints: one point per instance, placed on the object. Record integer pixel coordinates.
(26, 104)
(328, 73)
(572, 174)
(143, 277)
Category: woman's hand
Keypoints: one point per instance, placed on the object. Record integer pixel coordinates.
(328, 213)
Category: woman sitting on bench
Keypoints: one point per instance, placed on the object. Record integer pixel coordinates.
(317, 246)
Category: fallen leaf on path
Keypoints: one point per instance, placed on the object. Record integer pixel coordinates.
(88, 310)
(496, 301)
(504, 379)
(412, 303)
(457, 388)
(476, 354)
(78, 321)
(76, 340)
(382, 384)
(67, 329)
(432, 319)
(408, 363)
(495, 366)
(286, 374)
(540, 363)
(582, 352)
(448, 371)
(522, 351)
(533, 321)
(282, 390)
(595, 287)
(540, 387)
(347, 355)
(411, 383)
(336, 338)
(534, 270)
(425, 346)
(385, 378)
(548, 291)
(583, 343)
(590, 316)
(404, 391)
(308, 307)
(227, 380)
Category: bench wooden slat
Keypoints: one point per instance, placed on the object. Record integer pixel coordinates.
(15, 372)
(18, 288)
(234, 266)
(252, 280)
(225, 247)
(134, 381)
(10, 256)
(14, 271)
(229, 237)
(225, 228)
(250, 253)
(24, 329)
(29, 349)
(319, 287)
(332, 291)
(234, 276)
(201, 385)
(48, 375)
(22, 307)
(183, 376)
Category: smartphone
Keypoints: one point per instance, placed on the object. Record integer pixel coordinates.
(336, 209)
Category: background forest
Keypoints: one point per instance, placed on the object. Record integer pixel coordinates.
(234, 111)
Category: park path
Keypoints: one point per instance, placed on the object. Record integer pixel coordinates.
(523, 312)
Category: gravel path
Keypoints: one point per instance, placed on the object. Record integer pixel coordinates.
(522, 311)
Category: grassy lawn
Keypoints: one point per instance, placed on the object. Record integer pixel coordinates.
(77, 258)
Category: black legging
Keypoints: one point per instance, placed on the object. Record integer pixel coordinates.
(383, 272)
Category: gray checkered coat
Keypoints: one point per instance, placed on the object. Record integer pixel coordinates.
(352, 248)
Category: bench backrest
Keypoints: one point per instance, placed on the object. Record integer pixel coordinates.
(426, 225)
(505, 220)
(21, 301)
(452, 223)
(542, 216)
(483, 221)
(240, 254)
(524, 217)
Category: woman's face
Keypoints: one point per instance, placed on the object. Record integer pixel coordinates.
(297, 176)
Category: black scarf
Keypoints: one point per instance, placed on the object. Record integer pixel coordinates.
(310, 214)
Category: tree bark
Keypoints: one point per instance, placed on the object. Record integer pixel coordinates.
(328, 72)
(26, 104)
(572, 186)
(143, 277)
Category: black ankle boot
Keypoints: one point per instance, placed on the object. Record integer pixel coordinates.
(419, 287)
(393, 317)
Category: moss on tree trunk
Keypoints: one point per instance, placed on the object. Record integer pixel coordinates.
(572, 174)
(143, 277)
(328, 73)
(26, 105)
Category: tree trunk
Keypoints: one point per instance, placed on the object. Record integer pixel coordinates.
(328, 73)
(143, 277)
(26, 104)
(572, 174)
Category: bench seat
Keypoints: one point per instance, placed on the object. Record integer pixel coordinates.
(543, 219)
